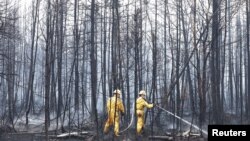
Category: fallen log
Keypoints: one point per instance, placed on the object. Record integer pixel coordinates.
(77, 135)
(72, 134)
(169, 134)
(161, 137)
(188, 133)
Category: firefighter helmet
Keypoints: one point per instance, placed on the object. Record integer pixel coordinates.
(142, 92)
(117, 91)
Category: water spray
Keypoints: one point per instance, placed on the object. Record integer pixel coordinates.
(187, 122)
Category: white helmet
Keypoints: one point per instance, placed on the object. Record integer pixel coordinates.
(117, 91)
(142, 92)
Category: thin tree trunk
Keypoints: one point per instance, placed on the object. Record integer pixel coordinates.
(76, 50)
(30, 96)
(215, 64)
(47, 70)
(59, 60)
(248, 56)
(230, 63)
(127, 65)
(136, 55)
(104, 80)
(178, 38)
(93, 63)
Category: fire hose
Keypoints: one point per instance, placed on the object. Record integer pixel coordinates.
(183, 120)
(132, 118)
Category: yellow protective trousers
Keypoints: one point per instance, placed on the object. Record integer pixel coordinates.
(114, 107)
(140, 121)
(112, 120)
(141, 103)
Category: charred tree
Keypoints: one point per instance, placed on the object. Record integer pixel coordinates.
(215, 64)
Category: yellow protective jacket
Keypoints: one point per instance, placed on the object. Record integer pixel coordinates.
(114, 108)
(141, 103)
(114, 104)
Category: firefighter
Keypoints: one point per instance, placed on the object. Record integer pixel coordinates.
(114, 109)
(141, 103)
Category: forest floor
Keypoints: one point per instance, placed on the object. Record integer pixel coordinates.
(128, 135)
(163, 131)
(123, 137)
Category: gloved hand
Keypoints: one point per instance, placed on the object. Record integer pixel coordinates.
(156, 104)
